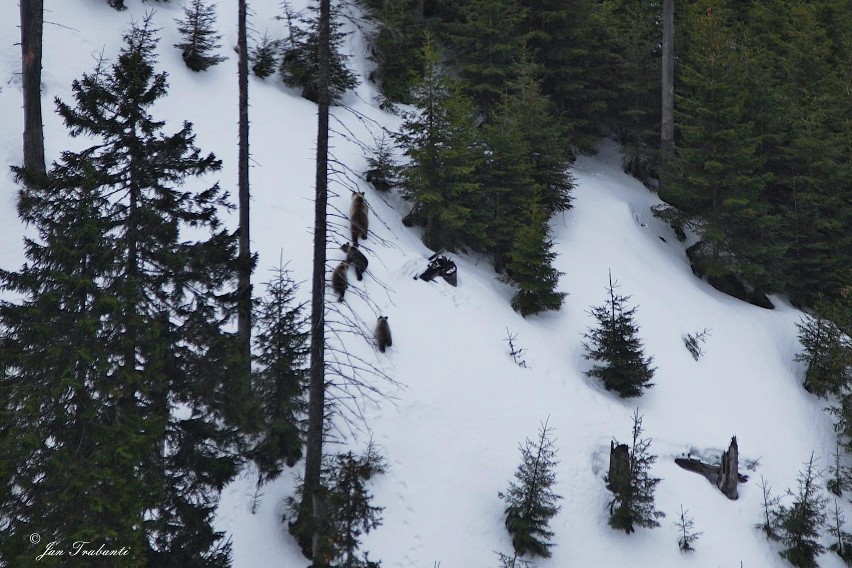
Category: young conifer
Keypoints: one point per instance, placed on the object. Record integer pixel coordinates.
(686, 527)
(633, 498)
(300, 53)
(615, 346)
(827, 353)
(200, 39)
(264, 57)
(530, 499)
(280, 377)
(799, 525)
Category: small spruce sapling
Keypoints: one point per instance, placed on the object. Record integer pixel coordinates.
(827, 353)
(838, 480)
(771, 504)
(799, 525)
(200, 39)
(633, 499)
(693, 342)
(507, 561)
(688, 536)
(517, 353)
(383, 170)
(264, 57)
(530, 500)
(843, 540)
(614, 346)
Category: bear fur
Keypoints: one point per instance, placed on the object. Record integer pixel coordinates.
(358, 220)
(356, 258)
(340, 280)
(383, 333)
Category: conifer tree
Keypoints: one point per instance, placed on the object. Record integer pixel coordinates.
(445, 154)
(771, 504)
(572, 43)
(264, 57)
(827, 353)
(719, 181)
(300, 54)
(843, 540)
(350, 512)
(615, 347)
(395, 45)
(280, 377)
(633, 502)
(529, 265)
(799, 525)
(200, 39)
(530, 499)
(686, 526)
(486, 45)
(156, 305)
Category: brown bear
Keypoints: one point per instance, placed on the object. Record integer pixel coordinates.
(339, 280)
(358, 220)
(383, 333)
(356, 258)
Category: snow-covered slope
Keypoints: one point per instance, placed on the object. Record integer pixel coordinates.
(451, 431)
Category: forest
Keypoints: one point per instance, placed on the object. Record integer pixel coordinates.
(138, 323)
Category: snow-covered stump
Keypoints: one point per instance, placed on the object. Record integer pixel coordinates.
(729, 471)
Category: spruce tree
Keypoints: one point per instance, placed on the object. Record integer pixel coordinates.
(156, 305)
(686, 526)
(280, 376)
(843, 540)
(300, 54)
(530, 499)
(633, 502)
(800, 524)
(395, 45)
(200, 39)
(529, 265)
(718, 178)
(827, 353)
(349, 510)
(615, 347)
(264, 57)
(486, 45)
(445, 155)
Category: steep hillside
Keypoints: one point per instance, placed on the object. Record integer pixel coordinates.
(451, 425)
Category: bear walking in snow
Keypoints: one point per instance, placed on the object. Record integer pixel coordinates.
(383, 333)
(358, 217)
(356, 258)
(339, 280)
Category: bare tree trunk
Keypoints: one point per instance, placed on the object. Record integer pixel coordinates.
(729, 471)
(32, 24)
(312, 496)
(667, 122)
(245, 262)
(619, 468)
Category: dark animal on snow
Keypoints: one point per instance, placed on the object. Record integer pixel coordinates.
(383, 333)
(356, 258)
(358, 217)
(339, 280)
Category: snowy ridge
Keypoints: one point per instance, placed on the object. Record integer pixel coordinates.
(451, 434)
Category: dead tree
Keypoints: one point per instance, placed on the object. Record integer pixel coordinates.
(729, 471)
(32, 25)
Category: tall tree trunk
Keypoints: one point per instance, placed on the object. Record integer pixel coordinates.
(312, 497)
(245, 263)
(32, 24)
(667, 122)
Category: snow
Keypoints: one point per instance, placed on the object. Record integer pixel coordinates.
(452, 426)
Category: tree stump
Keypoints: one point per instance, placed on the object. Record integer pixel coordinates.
(619, 468)
(729, 471)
